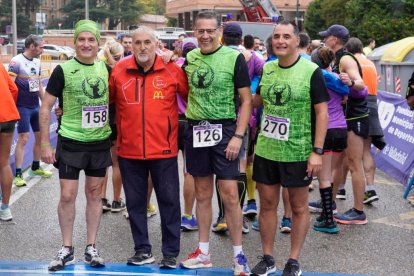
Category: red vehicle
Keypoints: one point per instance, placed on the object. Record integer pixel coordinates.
(260, 10)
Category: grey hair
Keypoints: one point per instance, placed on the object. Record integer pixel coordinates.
(147, 30)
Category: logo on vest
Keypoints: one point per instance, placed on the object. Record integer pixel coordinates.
(94, 87)
(203, 76)
(158, 95)
(279, 94)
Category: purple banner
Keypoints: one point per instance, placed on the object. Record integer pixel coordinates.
(397, 158)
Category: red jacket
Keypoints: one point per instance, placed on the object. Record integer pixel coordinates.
(8, 97)
(146, 108)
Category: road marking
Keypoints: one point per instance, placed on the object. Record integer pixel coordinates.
(25, 272)
(391, 221)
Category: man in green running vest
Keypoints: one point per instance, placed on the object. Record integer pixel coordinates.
(290, 144)
(81, 85)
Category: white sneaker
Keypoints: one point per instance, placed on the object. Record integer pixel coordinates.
(6, 214)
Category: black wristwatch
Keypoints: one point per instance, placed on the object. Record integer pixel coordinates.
(318, 151)
(238, 136)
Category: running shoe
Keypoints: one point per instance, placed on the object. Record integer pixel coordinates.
(65, 256)
(292, 269)
(266, 266)
(245, 226)
(168, 262)
(250, 209)
(19, 181)
(151, 210)
(256, 225)
(220, 226)
(285, 225)
(105, 205)
(141, 258)
(118, 206)
(351, 217)
(326, 226)
(197, 260)
(316, 206)
(370, 196)
(92, 256)
(240, 265)
(40, 172)
(341, 194)
(188, 224)
(5, 214)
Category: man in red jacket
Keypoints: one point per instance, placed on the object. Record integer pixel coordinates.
(144, 91)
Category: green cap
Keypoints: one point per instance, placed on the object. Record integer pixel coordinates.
(87, 26)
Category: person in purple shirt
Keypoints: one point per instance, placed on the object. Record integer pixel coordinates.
(335, 141)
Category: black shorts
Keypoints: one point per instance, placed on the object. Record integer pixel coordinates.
(201, 162)
(375, 128)
(335, 140)
(74, 156)
(288, 174)
(360, 126)
(7, 127)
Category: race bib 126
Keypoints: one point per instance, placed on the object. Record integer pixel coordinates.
(207, 135)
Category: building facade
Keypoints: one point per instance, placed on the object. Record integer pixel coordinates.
(186, 10)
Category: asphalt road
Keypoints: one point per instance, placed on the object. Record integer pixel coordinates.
(384, 246)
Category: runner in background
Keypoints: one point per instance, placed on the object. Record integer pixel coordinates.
(9, 115)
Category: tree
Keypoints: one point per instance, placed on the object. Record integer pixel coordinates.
(113, 12)
(383, 20)
(24, 24)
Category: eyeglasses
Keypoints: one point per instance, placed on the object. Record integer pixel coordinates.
(208, 31)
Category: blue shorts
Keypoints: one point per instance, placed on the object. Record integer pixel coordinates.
(28, 117)
(202, 162)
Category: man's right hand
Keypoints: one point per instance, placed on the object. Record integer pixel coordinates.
(48, 154)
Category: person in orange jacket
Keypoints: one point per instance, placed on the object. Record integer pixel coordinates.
(144, 91)
(8, 118)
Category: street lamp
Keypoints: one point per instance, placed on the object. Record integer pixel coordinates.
(86, 9)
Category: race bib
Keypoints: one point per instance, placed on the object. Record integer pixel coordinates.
(94, 116)
(34, 85)
(207, 135)
(276, 127)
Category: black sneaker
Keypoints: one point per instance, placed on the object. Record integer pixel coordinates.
(168, 262)
(341, 194)
(118, 206)
(370, 196)
(65, 256)
(105, 205)
(292, 269)
(141, 258)
(92, 256)
(265, 266)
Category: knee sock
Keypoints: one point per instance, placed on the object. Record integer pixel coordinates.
(219, 201)
(241, 186)
(251, 185)
(326, 197)
(35, 165)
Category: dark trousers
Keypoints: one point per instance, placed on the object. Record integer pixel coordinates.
(164, 174)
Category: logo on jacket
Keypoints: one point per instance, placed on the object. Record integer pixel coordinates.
(158, 82)
(203, 76)
(94, 87)
(158, 95)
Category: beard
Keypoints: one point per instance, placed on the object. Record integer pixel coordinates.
(143, 58)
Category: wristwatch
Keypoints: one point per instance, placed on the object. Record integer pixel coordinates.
(238, 136)
(318, 151)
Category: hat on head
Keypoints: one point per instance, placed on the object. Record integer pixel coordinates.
(337, 31)
(232, 29)
(189, 42)
(87, 26)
